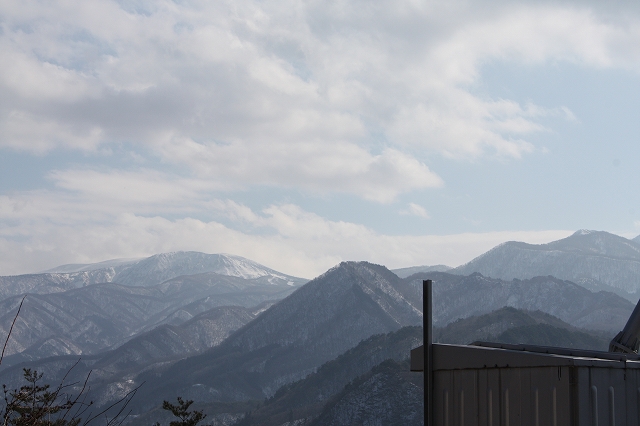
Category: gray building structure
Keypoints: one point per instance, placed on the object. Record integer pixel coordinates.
(512, 385)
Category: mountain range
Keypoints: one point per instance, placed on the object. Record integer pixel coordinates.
(145, 272)
(406, 272)
(389, 394)
(238, 337)
(597, 260)
(95, 318)
(316, 323)
(458, 296)
(517, 326)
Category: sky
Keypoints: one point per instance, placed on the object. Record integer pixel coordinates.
(301, 133)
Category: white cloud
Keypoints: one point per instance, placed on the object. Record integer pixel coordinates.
(350, 97)
(339, 167)
(416, 210)
(22, 130)
(288, 93)
(126, 188)
(298, 242)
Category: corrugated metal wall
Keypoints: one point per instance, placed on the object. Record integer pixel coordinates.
(503, 397)
(538, 396)
(607, 396)
(491, 384)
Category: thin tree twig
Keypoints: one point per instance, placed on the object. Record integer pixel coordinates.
(83, 406)
(84, 386)
(131, 392)
(124, 406)
(80, 406)
(4, 348)
(69, 372)
(124, 418)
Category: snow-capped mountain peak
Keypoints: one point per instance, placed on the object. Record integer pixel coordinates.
(145, 272)
(164, 266)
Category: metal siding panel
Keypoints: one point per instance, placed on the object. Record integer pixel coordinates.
(632, 397)
(595, 406)
(598, 383)
(526, 408)
(550, 397)
(458, 398)
(483, 397)
(563, 399)
(634, 400)
(488, 401)
(574, 396)
(541, 384)
(619, 400)
(464, 396)
(583, 399)
(504, 396)
(637, 401)
(493, 398)
(496, 403)
(612, 406)
(617, 410)
(608, 387)
(511, 396)
(470, 386)
(442, 404)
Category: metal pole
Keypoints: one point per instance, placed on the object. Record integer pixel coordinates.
(428, 350)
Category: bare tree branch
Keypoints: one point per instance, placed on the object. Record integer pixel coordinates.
(4, 348)
(42, 403)
(126, 398)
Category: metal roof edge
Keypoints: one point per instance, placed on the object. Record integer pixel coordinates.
(552, 350)
(495, 355)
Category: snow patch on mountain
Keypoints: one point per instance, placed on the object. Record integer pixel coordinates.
(165, 266)
(172, 263)
(145, 272)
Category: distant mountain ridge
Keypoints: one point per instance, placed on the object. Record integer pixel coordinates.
(316, 323)
(276, 344)
(165, 266)
(511, 325)
(166, 342)
(405, 272)
(596, 259)
(97, 317)
(457, 296)
(348, 303)
(313, 325)
(142, 272)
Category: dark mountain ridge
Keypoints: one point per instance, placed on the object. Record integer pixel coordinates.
(457, 296)
(316, 323)
(307, 397)
(389, 394)
(511, 325)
